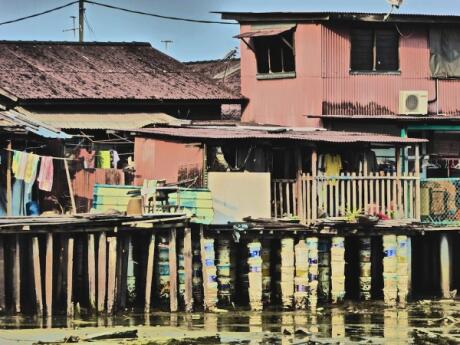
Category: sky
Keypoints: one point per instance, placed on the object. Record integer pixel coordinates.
(191, 41)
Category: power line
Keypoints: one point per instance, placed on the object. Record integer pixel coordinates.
(39, 14)
(159, 15)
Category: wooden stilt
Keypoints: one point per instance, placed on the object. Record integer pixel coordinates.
(69, 277)
(91, 273)
(337, 269)
(172, 270)
(255, 275)
(2, 276)
(188, 267)
(49, 275)
(122, 271)
(16, 276)
(207, 262)
(314, 170)
(365, 262)
(131, 282)
(101, 272)
(149, 274)
(112, 269)
(445, 261)
(37, 276)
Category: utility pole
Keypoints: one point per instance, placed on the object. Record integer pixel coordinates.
(81, 19)
(166, 43)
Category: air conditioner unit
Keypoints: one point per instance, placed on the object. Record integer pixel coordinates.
(413, 102)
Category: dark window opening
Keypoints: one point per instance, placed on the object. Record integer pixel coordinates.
(275, 54)
(374, 49)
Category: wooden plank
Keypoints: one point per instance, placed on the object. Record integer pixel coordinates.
(101, 272)
(314, 189)
(330, 194)
(149, 273)
(91, 272)
(2, 276)
(49, 275)
(371, 193)
(173, 288)
(69, 184)
(388, 196)
(16, 275)
(353, 191)
(349, 206)
(382, 194)
(111, 276)
(342, 196)
(122, 271)
(69, 276)
(307, 198)
(411, 197)
(276, 199)
(188, 267)
(203, 269)
(360, 191)
(366, 192)
(394, 199)
(377, 195)
(280, 187)
(36, 268)
(288, 197)
(417, 183)
(399, 184)
(9, 189)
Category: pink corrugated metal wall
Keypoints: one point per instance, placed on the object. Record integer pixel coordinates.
(324, 84)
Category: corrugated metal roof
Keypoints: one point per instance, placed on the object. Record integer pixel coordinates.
(400, 118)
(263, 32)
(235, 133)
(32, 70)
(14, 120)
(121, 121)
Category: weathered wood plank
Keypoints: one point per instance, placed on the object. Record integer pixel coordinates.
(149, 273)
(173, 270)
(112, 269)
(101, 272)
(16, 272)
(49, 275)
(69, 277)
(91, 272)
(2, 276)
(37, 276)
(188, 267)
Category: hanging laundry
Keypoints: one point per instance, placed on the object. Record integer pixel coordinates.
(45, 177)
(332, 164)
(103, 160)
(31, 168)
(115, 158)
(15, 163)
(88, 158)
(22, 165)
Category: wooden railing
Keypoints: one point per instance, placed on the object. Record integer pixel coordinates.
(390, 196)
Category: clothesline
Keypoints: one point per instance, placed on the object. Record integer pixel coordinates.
(61, 158)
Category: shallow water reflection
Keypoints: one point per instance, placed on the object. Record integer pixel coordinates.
(348, 323)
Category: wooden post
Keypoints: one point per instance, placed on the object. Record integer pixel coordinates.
(9, 189)
(2, 276)
(337, 269)
(111, 281)
(445, 269)
(314, 188)
(417, 182)
(37, 276)
(69, 183)
(69, 276)
(49, 275)
(300, 206)
(172, 270)
(188, 267)
(91, 273)
(149, 273)
(16, 270)
(101, 271)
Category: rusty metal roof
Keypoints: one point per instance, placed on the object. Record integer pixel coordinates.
(396, 118)
(13, 121)
(120, 121)
(33, 70)
(263, 32)
(241, 133)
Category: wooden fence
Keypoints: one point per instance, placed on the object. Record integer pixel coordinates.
(309, 198)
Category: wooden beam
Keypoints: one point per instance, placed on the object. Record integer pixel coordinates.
(101, 272)
(16, 270)
(49, 275)
(112, 269)
(314, 191)
(69, 184)
(173, 270)
(37, 276)
(188, 268)
(69, 277)
(91, 273)
(9, 189)
(149, 273)
(2, 276)
(417, 183)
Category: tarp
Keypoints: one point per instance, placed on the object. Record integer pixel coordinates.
(445, 52)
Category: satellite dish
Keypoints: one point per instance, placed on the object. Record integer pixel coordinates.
(395, 3)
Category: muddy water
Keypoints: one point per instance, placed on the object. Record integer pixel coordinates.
(358, 323)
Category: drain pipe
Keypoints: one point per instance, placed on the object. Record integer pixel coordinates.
(435, 99)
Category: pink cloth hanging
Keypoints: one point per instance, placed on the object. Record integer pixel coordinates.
(45, 177)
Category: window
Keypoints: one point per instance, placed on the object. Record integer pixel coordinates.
(374, 49)
(275, 54)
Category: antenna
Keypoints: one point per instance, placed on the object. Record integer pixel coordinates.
(394, 4)
(166, 42)
(230, 55)
(73, 28)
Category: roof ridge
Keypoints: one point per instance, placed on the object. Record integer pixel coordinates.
(92, 43)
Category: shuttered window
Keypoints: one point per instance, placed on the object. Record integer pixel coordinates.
(374, 49)
(275, 54)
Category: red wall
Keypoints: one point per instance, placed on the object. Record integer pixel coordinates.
(161, 160)
(324, 85)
